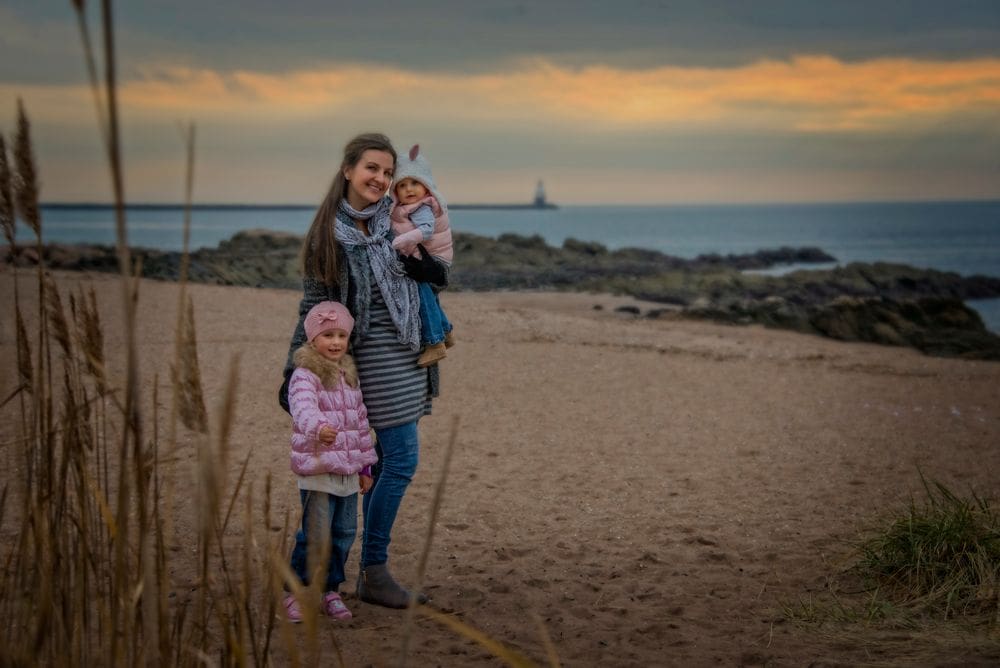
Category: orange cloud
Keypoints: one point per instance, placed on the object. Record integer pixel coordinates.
(804, 94)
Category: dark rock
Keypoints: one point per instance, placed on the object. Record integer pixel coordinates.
(518, 241)
(585, 247)
(942, 326)
(936, 325)
(766, 258)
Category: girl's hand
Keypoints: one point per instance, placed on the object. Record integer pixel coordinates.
(365, 482)
(327, 434)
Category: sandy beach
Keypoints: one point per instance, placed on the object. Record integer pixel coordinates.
(651, 491)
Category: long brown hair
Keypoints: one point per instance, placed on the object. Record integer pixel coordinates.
(319, 250)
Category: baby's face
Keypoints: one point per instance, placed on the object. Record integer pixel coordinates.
(410, 190)
(331, 344)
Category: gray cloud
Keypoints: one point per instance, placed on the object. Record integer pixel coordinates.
(39, 41)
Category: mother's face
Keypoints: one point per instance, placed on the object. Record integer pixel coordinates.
(369, 178)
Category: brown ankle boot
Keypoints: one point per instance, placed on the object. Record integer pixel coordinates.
(431, 355)
(449, 340)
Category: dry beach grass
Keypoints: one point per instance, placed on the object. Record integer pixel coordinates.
(648, 492)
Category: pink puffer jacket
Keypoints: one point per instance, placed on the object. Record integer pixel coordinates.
(440, 243)
(324, 393)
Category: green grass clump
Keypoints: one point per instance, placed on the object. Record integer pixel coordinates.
(939, 555)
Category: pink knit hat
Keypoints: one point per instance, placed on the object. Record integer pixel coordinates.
(327, 315)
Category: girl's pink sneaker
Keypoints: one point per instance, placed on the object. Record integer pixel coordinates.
(292, 610)
(333, 606)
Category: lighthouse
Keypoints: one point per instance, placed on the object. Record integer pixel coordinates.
(540, 195)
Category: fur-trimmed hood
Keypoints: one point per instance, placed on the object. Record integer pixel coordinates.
(327, 371)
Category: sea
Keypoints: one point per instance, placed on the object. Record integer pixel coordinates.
(956, 236)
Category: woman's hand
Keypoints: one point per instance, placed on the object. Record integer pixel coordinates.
(425, 269)
(365, 482)
(327, 434)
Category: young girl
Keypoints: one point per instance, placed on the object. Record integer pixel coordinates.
(331, 445)
(420, 215)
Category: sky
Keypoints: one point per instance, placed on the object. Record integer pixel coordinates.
(636, 102)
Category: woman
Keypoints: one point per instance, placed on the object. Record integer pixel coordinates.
(348, 257)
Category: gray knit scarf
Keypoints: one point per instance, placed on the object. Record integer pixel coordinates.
(371, 257)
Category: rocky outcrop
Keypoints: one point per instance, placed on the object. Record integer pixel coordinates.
(879, 302)
(518, 262)
(935, 325)
(256, 258)
(942, 326)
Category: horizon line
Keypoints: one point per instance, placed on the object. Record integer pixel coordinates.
(525, 205)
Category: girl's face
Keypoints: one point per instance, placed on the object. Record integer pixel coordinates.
(331, 344)
(368, 179)
(410, 190)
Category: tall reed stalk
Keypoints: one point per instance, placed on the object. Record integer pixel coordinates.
(26, 204)
(8, 221)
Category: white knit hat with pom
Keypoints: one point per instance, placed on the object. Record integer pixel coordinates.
(415, 166)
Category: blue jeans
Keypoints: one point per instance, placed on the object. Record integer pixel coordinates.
(329, 518)
(398, 450)
(433, 323)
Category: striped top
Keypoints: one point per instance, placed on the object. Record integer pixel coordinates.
(395, 389)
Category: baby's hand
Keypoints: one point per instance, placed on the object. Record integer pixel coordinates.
(406, 243)
(327, 434)
(404, 246)
(365, 483)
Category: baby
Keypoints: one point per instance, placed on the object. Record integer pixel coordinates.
(420, 216)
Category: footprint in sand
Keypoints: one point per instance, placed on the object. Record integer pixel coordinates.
(470, 596)
(499, 588)
(649, 594)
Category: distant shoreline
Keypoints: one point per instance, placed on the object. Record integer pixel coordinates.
(157, 206)
(504, 207)
(97, 206)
